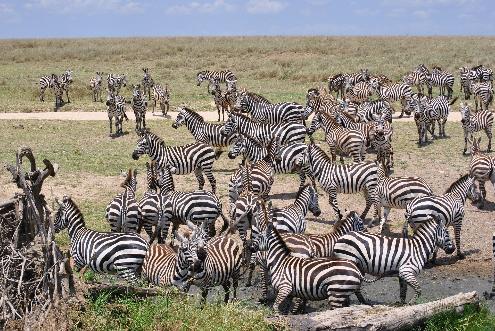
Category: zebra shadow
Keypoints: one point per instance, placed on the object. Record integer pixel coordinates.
(487, 206)
(284, 196)
(451, 259)
(164, 116)
(117, 135)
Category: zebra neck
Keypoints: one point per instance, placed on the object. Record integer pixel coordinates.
(76, 223)
(302, 203)
(180, 268)
(277, 250)
(423, 242)
(159, 154)
(195, 126)
(255, 153)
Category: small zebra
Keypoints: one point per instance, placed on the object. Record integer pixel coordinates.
(292, 218)
(100, 251)
(382, 144)
(471, 123)
(465, 78)
(58, 91)
(483, 94)
(306, 279)
(139, 105)
(147, 82)
(163, 97)
(220, 76)
(95, 86)
(448, 208)
(342, 141)
(46, 82)
(163, 266)
(442, 79)
(265, 112)
(397, 192)
(202, 131)
(221, 100)
(197, 157)
(335, 178)
(115, 83)
(264, 132)
(116, 109)
(393, 92)
(336, 83)
(65, 80)
(150, 202)
(123, 212)
(481, 168)
(388, 256)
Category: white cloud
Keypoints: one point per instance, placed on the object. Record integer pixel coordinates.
(92, 6)
(200, 7)
(265, 6)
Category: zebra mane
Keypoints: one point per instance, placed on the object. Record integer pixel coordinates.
(257, 97)
(341, 222)
(477, 67)
(152, 136)
(348, 116)
(328, 117)
(319, 152)
(68, 200)
(336, 76)
(302, 189)
(194, 114)
(454, 184)
(251, 138)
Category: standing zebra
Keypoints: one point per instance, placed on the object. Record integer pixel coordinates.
(448, 208)
(46, 82)
(483, 94)
(442, 79)
(471, 123)
(335, 178)
(139, 105)
(393, 92)
(58, 91)
(264, 132)
(162, 96)
(147, 82)
(481, 73)
(264, 112)
(417, 77)
(197, 157)
(336, 83)
(65, 80)
(382, 144)
(221, 100)
(292, 218)
(115, 83)
(123, 212)
(465, 78)
(361, 91)
(380, 255)
(100, 251)
(316, 101)
(95, 86)
(481, 168)
(202, 131)
(367, 111)
(150, 202)
(354, 78)
(116, 109)
(224, 76)
(397, 192)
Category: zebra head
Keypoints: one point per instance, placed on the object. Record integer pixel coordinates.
(238, 147)
(122, 80)
(375, 83)
(192, 249)
(262, 226)
(352, 222)
(180, 119)
(442, 235)
(68, 76)
(145, 144)
(110, 99)
(313, 204)
(201, 76)
(315, 124)
(365, 74)
(465, 113)
(130, 181)
(231, 86)
(230, 125)
(136, 92)
(242, 101)
(65, 213)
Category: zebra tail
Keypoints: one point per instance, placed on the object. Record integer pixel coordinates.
(453, 100)
(218, 152)
(490, 98)
(226, 224)
(371, 280)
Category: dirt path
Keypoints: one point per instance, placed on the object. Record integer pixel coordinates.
(102, 116)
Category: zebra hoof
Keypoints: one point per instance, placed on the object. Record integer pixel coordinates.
(461, 256)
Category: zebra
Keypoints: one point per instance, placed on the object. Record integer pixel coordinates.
(253, 151)
(465, 78)
(100, 251)
(209, 76)
(116, 109)
(342, 141)
(417, 77)
(221, 100)
(334, 178)
(481, 168)
(382, 144)
(442, 79)
(471, 123)
(212, 263)
(336, 83)
(393, 92)
(354, 78)
(292, 218)
(367, 110)
(202, 131)
(197, 157)
(139, 105)
(397, 192)
(316, 100)
(58, 91)
(264, 132)
(163, 97)
(481, 73)
(95, 86)
(361, 91)
(367, 129)
(150, 202)
(116, 82)
(483, 94)
(147, 82)
(65, 80)
(123, 212)
(163, 266)
(264, 112)
(388, 256)
(435, 109)
(306, 279)
(448, 208)
(46, 82)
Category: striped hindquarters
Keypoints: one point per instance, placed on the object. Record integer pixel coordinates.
(159, 265)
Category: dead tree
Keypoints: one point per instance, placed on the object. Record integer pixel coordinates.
(34, 274)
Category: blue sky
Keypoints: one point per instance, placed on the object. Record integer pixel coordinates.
(112, 18)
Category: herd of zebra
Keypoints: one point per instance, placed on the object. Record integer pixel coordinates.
(273, 139)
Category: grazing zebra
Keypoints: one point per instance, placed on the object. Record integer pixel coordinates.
(115, 83)
(95, 86)
(336, 83)
(448, 208)
(342, 141)
(382, 144)
(483, 94)
(214, 263)
(481, 168)
(397, 192)
(393, 92)
(123, 212)
(306, 279)
(387, 256)
(481, 73)
(221, 100)
(265, 112)
(163, 266)
(220, 76)
(139, 105)
(197, 157)
(335, 178)
(442, 79)
(292, 218)
(264, 132)
(100, 251)
(147, 82)
(202, 131)
(253, 151)
(163, 97)
(471, 123)
(367, 111)
(150, 202)
(116, 109)
(46, 82)
(65, 80)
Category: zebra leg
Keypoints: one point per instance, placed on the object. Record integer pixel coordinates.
(369, 201)
(199, 176)
(144, 120)
(226, 288)
(465, 143)
(283, 295)
(483, 194)
(457, 234)
(235, 283)
(265, 280)
(332, 199)
(408, 278)
(110, 120)
(402, 290)
(299, 306)
(204, 294)
(360, 297)
(154, 106)
(488, 131)
(386, 211)
(211, 179)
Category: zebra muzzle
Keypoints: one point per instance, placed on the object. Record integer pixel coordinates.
(135, 156)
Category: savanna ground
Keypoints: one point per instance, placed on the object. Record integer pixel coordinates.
(281, 69)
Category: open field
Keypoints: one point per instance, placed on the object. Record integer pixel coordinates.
(281, 68)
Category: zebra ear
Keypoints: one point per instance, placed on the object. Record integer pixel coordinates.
(66, 198)
(191, 225)
(180, 238)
